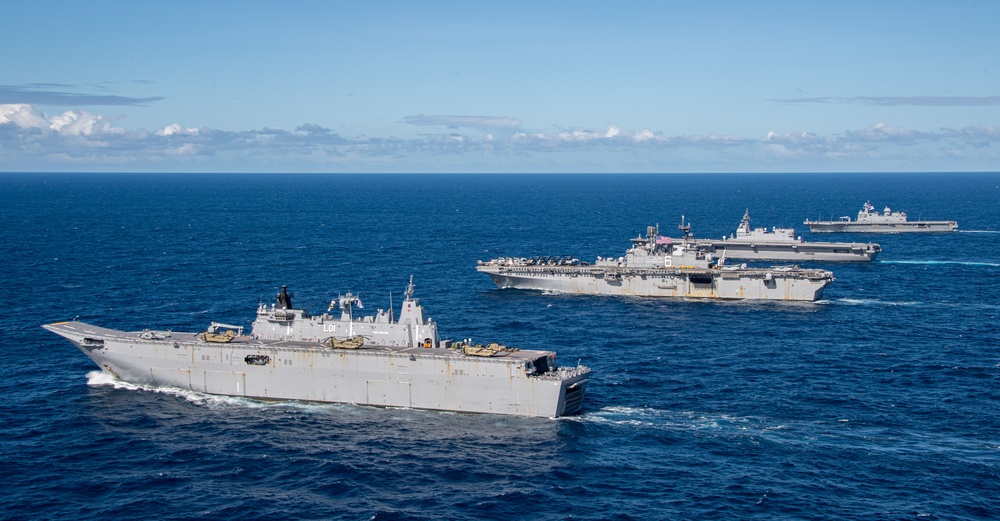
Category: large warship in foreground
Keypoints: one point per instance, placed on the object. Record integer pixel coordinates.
(658, 266)
(781, 244)
(886, 222)
(371, 360)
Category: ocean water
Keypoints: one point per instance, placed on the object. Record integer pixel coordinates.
(882, 401)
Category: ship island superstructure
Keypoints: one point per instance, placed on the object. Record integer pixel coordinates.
(659, 266)
(781, 244)
(375, 360)
(888, 221)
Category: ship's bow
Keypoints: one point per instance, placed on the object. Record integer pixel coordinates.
(493, 272)
(84, 336)
(72, 331)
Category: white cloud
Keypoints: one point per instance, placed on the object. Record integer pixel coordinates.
(22, 115)
(643, 136)
(580, 135)
(800, 138)
(170, 130)
(883, 133)
(69, 123)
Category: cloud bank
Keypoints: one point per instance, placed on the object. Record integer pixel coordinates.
(30, 140)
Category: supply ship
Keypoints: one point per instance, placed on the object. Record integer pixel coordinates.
(376, 360)
(659, 266)
(886, 222)
(781, 244)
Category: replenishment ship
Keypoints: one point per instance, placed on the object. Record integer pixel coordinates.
(886, 222)
(781, 244)
(659, 266)
(376, 360)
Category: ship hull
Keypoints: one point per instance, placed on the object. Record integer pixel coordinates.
(720, 284)
(412, 377)
(791, 251)
(904, 227)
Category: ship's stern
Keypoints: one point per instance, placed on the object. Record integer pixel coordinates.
(571, 384)
(571, 399)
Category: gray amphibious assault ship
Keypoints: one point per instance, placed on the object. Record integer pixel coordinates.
(370, 360)
(658, 266)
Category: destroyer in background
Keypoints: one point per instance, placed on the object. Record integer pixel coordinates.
(886, 222)
(370, 360)
(781, 244)
(658, 266)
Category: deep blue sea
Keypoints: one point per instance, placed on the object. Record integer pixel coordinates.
(881, 401)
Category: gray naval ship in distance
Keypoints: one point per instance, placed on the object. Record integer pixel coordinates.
(886, 222)
(370, 360)
(781, 244)
(658, 266)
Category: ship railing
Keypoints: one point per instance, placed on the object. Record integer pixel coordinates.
(562, 373)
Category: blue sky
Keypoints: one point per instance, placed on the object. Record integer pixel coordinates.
(582, 86)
